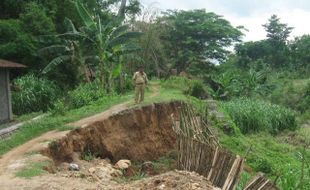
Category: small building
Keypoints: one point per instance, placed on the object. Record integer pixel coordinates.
(5, 91)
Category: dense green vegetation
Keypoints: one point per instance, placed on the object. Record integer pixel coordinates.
(81, 55)
(34, 94)
(256, 115)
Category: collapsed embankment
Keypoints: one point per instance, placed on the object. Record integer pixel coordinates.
(137, 134)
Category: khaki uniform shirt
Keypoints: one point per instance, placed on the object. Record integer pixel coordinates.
(139, 78)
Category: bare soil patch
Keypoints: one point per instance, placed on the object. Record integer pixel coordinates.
(138, 134)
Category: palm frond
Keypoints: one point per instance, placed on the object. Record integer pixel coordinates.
(54, 50)
(117, 71)
(91, 60)
(70, 26)
(47, 39)
(124, 38)
(55, 62)
(129, 48)
(84, 14)
(118, 31)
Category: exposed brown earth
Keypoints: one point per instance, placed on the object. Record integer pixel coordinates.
(139, 134)
(174, 180)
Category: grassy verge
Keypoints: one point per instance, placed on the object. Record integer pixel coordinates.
(35, 169)
(27, 117)
(265, 153)
(58, 122)
(22, 118)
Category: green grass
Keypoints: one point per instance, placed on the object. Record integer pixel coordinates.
(180, 83)
(302, 136)
(245, 179)
(164, 95)
(252, 115)
(27, 117)
(267, 154)
(22, 118)
(35, 169)
(5, 125)
(49, 123)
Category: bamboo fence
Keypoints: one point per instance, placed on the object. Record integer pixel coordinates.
(199, 151)
(260, 182)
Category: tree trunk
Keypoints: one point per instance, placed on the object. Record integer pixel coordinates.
(121, 11)
(86, 73)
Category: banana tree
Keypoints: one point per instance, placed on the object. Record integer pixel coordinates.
(70, 48)
(109, 40)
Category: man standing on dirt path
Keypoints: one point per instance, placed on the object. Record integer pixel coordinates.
(140, 81)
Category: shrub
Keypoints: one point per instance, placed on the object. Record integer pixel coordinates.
(304, 102)
(256, 115)
(263, 165)
(59, 108)
(197, 89)
(34, 94)
(190, 87)
(181, 83)
(85, 94)
(123, 85)
(294, 94)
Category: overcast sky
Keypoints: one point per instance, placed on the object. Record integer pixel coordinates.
(251, 14)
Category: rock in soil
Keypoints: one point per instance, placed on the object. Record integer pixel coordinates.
(123, 164)
(148, 168)
(91, 170)
(74, 167)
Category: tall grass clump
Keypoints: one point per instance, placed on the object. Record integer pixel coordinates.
(33, 94)
(256, 115)
(85, 94)
(294, 178)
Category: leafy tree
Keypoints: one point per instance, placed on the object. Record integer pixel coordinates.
(12, 8)
(278, 34)
(71, 47)
(249, 53)
(111, 41)
(15, 43)
(121, 10)
(35, 21)
(197, 37)
(108, 41)
(153, 55)
(300, 49)
(273, 51)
